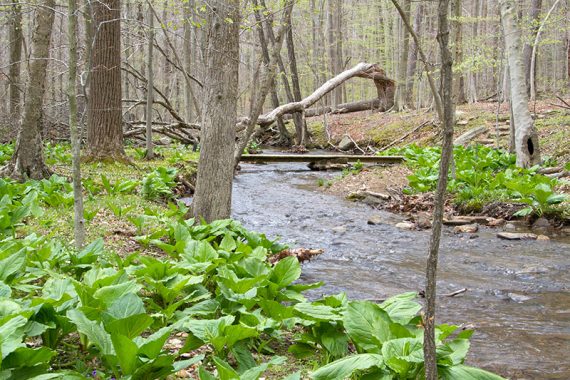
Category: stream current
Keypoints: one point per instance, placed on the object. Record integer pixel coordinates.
(518, 297)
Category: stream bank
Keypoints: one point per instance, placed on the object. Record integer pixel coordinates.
(518, 297)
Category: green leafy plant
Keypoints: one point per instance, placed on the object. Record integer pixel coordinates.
(159, 183)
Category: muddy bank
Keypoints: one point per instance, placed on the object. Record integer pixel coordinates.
(518, 298)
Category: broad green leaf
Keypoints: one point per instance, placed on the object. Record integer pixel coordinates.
(402, 308)
(235, 333)
(28, 357)
(343, 368)
(317, 312)
(11, 334)
(12, 264)
(228, 243)
(109, 294)
(126, 306)
(126, 351)
(286, 271)
(462, 372)
(367, 325)
(225, 371)
(93, 330)
(131, 326)
(205, 375)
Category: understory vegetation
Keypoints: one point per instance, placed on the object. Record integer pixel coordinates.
(156, 295)
(483, 175)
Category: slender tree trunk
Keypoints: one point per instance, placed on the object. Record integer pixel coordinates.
(526, 139)
(188, 43)
(334, 36)
(458, 80)
(298, 118)
(285, 138)
(535, 8)
(401, 86)
(28, 158)
(150, 85)
(79, 221)
(446, 154)
(213, 197)
(472, 96)
(104, 128)
(413, 55)
(16, 40)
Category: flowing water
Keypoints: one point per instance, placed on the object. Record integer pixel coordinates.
(518, 297)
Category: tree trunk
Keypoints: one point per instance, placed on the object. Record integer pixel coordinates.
(16, 39)
(526, 139)
(535, 8)
(401, 85)
(413, 55)
(472, 96)
(79, 221)
(104, 128)
(334, 35)
(285, 138)
(188, 43)
(150, 86)
(28, 159)
(298, 119)
(213, 197)
(432, 261)
(458, 81)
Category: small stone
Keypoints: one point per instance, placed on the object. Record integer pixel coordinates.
(518, 297)
(496, 222)
(423, 221)
(355, 196)
(462, 122)
(510, 227)
(339, 229)
(466, 229)
(405, 226)
(375, 220)
(541, 223)
(456, 222)
(542, 238)
(346, 143)
(516, 236)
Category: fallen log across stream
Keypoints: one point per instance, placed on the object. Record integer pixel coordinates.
(275, 158)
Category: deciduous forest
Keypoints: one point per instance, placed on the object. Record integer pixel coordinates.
(284, 189)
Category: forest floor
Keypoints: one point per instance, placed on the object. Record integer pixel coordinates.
(373, 131)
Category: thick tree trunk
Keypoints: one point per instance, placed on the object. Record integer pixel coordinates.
(334, 34)
(526, 139)
(28, 159)
(104, 128)
(446, 154)
(535, 8)
(213, 197)
(188, 43)
(79, 221)
(16, 39)
(401, 85)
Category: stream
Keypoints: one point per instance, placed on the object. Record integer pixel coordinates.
(518, 297)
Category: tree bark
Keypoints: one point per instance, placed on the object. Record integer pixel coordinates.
(104, 128)
(535, 8)
(79, 221)
(188, 58)
(213, 197)
(401, 85)
(526, 139)
(413, 55)
(150, 86)
(430, 356)
(28, 159)
(298, 119)
(458, 80)
(16, 40)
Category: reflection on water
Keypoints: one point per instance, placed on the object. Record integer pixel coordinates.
(518, 297)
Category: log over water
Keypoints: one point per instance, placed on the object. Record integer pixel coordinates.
(256, 158)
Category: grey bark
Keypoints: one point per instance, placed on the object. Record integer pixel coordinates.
(535, 8)
(298, 119)
(526, 138)
(458, 80)
(16, 40)
(188, 58)
(430, 357)
(213, 196)
(150, 86)
(79, 221)
(28, 160)
(401, 85)
(413, 55)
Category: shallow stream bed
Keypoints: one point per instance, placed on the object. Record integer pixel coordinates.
(518, 297)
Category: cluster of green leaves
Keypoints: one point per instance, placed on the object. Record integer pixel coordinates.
(482, 175)
(6, 151)
(159, 183)
(218, 287)
(57, 153)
